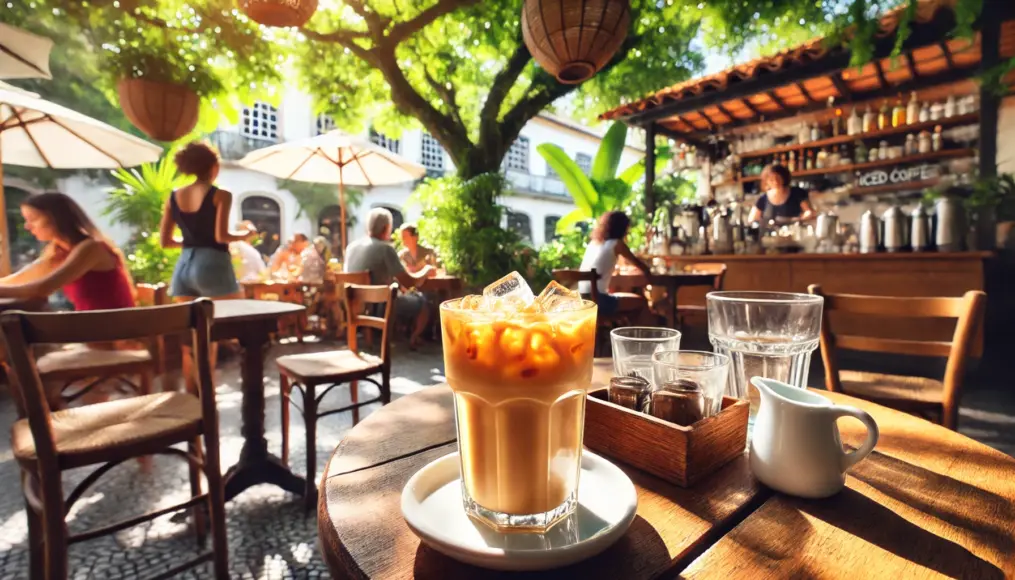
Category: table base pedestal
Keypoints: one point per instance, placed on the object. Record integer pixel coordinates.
(250, 471)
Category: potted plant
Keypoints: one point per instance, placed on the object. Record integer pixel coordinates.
(993, 200)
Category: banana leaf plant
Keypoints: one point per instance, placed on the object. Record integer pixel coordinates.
(141, 195)
(602, 190)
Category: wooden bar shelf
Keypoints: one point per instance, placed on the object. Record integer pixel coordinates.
(954, 120)
(931, 156)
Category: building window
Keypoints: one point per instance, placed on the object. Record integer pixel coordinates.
(260, 122)
(520, 223)
(397, 219)
(432, 156)
(550, 227)
(325, 123)
(584, 161)
(266, 215)
(393, 145)
(517, 157)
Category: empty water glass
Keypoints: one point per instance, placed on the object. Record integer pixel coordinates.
(633, 347)
(707, 370)
(766, 334)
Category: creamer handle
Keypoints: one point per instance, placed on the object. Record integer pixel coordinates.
(849, 459)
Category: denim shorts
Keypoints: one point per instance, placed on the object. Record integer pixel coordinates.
(204, 272)
(608, 304)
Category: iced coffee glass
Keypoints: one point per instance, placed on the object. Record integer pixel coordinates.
(519, 369)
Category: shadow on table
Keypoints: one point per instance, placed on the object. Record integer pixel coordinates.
(641, 548)
(864, 518)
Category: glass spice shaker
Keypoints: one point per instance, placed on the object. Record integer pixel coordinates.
(681, 402)
(630, 393)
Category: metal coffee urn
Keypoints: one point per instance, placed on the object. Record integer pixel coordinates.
(950, 227)
(896, 229)
(920, 229)
(870, 230)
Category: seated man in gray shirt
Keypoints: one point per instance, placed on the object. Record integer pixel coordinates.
(376, 255)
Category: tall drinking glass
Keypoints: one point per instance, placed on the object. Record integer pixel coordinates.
(633, 347)
(766, 334)
(519, 380)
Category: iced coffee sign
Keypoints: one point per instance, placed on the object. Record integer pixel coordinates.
(898, 175)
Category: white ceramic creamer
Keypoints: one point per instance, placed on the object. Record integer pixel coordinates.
(795, 447)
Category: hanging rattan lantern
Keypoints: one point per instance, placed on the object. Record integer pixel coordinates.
(281, 13)
(573, 39)
(163, 111)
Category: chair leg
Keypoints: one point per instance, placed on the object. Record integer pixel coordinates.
(54, 530)
(385, 386)
(217, 506)
(310, 419)
(36, 544)
(285, 388)
(144, 385)
(194, 447)
(354, 398)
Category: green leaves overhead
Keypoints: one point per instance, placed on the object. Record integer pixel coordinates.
(577, 183)
(610, 149)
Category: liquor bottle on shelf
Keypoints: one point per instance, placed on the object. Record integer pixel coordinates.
(815, 132)
(854, 123)
(950, 106)
(912, 110)
(898, 114)
(844, 154)
(810, 160)
(936, 139)
(883, 119)
(836, 124)
(924, 112)
(819, 161)
(860, 152)
(911, 147)
(869, 120)
(792, 162)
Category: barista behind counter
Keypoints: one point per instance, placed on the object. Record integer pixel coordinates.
(780, 201)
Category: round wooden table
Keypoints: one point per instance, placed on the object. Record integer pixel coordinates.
(927, 502)
(251, 322)
(671, 282)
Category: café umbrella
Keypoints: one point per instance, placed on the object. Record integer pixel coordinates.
(35, 132)
(23, 55)
(334, 157)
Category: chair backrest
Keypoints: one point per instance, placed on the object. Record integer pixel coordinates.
(571, 278)
(967, 310)
(717, 269)
(22, 330)
(151, 294)
(356, 298)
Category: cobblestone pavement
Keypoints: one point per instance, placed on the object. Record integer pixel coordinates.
(269, 537)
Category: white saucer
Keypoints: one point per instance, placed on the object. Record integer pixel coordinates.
(432, 506)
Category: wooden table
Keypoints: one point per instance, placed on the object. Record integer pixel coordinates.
(251, 322)
(927, 502)
(672, 283)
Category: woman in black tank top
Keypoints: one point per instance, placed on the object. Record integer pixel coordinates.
(201, 211)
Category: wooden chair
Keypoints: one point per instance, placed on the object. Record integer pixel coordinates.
(917, 395)
(48, 442)
(718, 269)
(335, 283)
(306, 372)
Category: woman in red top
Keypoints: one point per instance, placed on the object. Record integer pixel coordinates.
(78, 258)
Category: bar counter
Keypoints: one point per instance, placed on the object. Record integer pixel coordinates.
(884, 274)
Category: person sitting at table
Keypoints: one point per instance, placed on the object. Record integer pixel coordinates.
(201, 211)
(77, 258)
(250, 265)
(781, 202)
(606, 245)
(300, 259)
(323, 248)
(374, 254)
(414, 255)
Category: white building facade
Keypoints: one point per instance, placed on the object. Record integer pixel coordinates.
(538, 199)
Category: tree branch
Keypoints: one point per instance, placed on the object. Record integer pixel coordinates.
(375, 21)
(403, 30)
(446, 94)
(346, 39)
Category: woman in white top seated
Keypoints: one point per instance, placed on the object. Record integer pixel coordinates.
(601, 254)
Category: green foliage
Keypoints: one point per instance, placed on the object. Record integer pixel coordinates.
(142, 194)
(149, 262)
(567, 249)
(462, 222)
(313, 198)
(672, 189)
(603, 191)
(997, 193)
(138, 203)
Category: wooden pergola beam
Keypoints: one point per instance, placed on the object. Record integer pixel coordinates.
(841, 86)
(948, 54)
(807, 95)
(912, 65)
(722, 108)
(778, 101)
(881, 74)
(750, 107)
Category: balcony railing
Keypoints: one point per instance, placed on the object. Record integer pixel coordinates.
(233, 146)
(525, 182)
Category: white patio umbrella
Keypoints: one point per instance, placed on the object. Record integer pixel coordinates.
(334, 157)
(23, 55)
(37, 133)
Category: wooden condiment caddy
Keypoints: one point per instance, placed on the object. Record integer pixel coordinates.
(680, 455)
